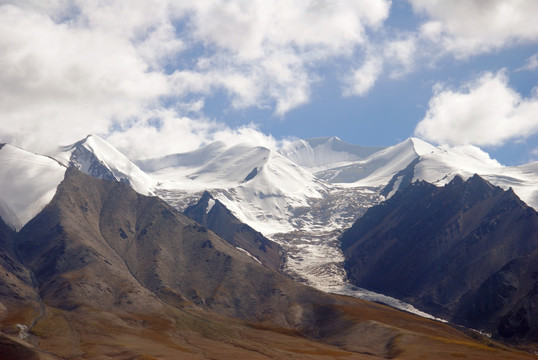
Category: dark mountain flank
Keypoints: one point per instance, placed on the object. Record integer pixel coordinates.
(99, 243)
(212, 214)
(467, 252)
(104, 272)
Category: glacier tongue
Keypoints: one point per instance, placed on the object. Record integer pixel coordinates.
(28, 182)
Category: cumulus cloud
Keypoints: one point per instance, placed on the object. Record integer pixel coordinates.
(483, 112)
(531, 64)
(165, 132)
(476, 26)
(401, 54)
(363, 78)
(393, 56)
(73, 67)
(57, 82)
(266, 52)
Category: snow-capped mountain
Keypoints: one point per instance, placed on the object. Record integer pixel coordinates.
(96, 157)
(301, 196)
(28, 183)
(440, 165)
(303, 202)
(189, 160)
(260, 186)
(126, 271)
(377, 169)
(322, 153)
(414, 159)
(464, 251)
(306, 193)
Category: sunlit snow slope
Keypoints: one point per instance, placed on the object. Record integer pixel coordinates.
(258, 185)
(28, 183)
(436, 165)
(377, 169)
(321, 153)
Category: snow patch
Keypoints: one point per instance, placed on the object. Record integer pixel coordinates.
(23, 331)
(350, 290)
(316, 258)
(210, 204)
(396, 186)
(249, 255)
(377, 169)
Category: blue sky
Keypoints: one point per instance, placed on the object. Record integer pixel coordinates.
(171, 76)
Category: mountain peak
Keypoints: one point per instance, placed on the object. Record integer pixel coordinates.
(421, 147)
(457, 180)
(480, 183)
(96, 157)
(325, 152)
(206, 196)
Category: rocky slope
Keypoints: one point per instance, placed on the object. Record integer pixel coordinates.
(105, 272)
(466, 252)
(212, 214)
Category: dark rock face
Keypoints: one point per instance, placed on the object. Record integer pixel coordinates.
(100, 244)
(405, 178)
(466, 252)
(212, 214)
(16, 284)
(86, 161)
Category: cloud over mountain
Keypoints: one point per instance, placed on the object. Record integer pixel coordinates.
(132, 71)
(472, 27)
(486, 111)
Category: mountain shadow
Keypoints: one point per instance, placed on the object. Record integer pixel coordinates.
(466, 252)
(212, 214)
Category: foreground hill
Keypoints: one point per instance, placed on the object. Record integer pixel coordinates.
(104, 272)
(466, 252)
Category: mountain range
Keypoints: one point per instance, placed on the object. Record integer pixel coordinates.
(94, 243)
(306, 193)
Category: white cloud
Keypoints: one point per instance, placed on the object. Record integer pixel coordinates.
(477, 26)
(396, 57)
(254, 29)
(162, 132)
(531, 64)
(401, 54)
(484, 112)
(73, 67)
(364, 78)
(57, 82)
(270, 49)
